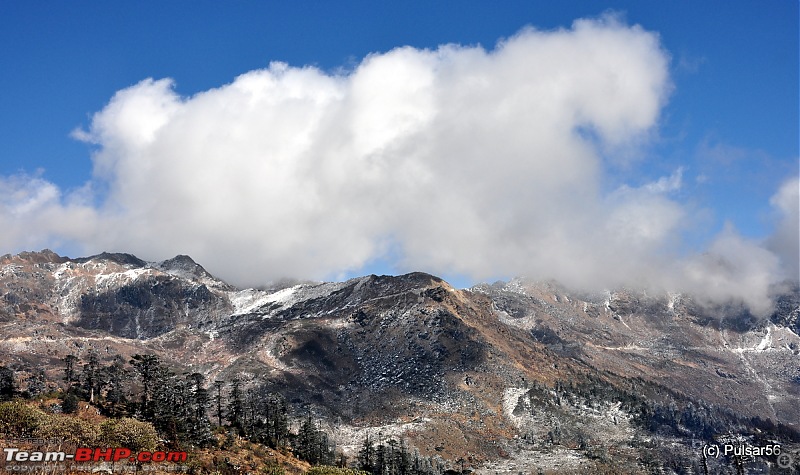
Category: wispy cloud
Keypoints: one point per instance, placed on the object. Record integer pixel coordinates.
(459, 160)
(785, 242)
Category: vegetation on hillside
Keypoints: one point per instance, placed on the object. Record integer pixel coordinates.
(230, 427)
(145, 405)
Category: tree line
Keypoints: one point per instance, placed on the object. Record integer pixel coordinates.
(392, 457)
(180, 406)
(185, 410)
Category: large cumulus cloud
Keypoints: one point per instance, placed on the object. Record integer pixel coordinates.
(454, 160)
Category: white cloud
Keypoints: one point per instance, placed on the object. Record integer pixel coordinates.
(459, 160)
(734, 268)
(34, 214)
(673, 182)
(785, 242)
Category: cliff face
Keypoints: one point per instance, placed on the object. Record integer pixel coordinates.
(512, 374)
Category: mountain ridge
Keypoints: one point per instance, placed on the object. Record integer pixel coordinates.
(488, 371)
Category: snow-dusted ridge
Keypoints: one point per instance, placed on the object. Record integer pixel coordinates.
(256, 301)
(251, 300)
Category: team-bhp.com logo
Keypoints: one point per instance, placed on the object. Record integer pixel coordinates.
(85, 454)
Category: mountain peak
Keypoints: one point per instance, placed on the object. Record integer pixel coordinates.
(183, 264)
(120, 258)
(185, 267)
(40, 257)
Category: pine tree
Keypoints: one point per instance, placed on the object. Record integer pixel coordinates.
(199, 425)
(115, 376)
(147, 366)
(218, 400)
(169, 402)
(266, 415)
(70, 376)
(312, 444)
(278, 420)
(70, 403)
(91, 377)
(166, 405)
(403, 459)
(391, 457)
(379, 468)
(8, 388)
(305, 440)
(236, 407)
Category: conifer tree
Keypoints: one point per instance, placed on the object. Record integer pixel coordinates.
(218, 400)
(366, 455)
(167, 408)
(147, 367)
(91, 377)
(115, 376)
(8, 388)
(380, 460)
(199, 425)
(312, 444)
(267, 420)
(70, 403)
(305, 440)
(70, 375)
(236, 407)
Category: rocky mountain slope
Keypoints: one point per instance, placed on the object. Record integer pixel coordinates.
(509, 377)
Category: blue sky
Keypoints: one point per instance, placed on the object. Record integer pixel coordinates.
(729, 123)
(734, 63)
